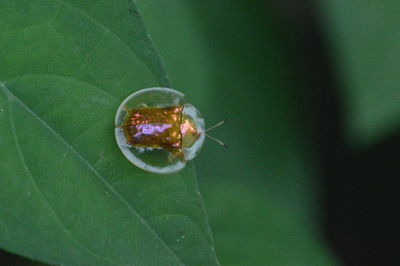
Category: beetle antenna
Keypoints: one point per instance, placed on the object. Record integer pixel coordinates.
(217, 125)
(217, 140)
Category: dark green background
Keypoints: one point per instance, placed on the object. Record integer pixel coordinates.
(245, 60)
(229, 57)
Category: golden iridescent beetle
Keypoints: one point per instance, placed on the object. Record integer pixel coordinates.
(158, 132)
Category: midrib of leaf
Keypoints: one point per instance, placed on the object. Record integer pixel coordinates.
(14, 98)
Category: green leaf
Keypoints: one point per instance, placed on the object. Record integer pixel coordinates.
(365, 38)
(68, 195)
(261, 193)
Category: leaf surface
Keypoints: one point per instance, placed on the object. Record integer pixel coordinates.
(68, 194)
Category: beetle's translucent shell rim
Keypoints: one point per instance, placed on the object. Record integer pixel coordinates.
(191, 152)
(157, 96)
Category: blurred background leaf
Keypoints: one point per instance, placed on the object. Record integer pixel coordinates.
(364, 39)
(359, 140)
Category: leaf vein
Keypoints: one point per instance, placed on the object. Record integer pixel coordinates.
(93, 86)
(26, 168)
(101, 178)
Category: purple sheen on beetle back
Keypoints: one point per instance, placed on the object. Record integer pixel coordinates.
(155, 127)
(150, 129)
